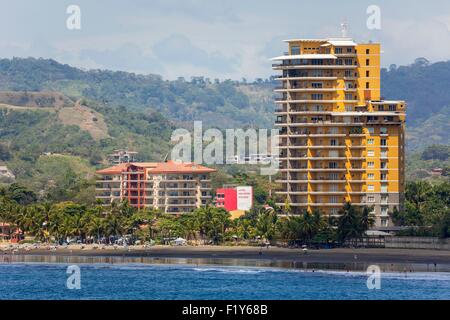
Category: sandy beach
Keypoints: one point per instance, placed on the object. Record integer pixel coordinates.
(339, 255)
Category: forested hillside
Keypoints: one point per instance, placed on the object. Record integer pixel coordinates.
(229, 104)
(60, 121)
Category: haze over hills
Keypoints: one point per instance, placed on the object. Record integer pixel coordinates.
(54, 113)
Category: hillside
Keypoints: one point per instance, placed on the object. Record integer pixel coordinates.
(229, 104)
(47, 108)
(52, 147)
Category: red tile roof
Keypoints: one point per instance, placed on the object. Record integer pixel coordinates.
(160, 167)
(114, 170)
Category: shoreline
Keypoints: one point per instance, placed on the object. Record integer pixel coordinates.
(339, 258)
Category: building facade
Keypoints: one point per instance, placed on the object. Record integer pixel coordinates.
(236, 198)
(122, 156)
(173, 187)
(338, 140)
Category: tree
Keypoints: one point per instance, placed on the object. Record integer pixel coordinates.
(436, 152)
(266, 223)
(353, 222)
(19, 194)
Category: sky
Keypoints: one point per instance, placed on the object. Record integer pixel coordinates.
(222, 39)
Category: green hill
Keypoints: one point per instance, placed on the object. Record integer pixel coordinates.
(51, 108)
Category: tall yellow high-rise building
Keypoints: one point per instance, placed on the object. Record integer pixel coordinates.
(338, 141)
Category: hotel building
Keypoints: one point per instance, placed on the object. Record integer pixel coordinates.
(338, 140)
(173, 187)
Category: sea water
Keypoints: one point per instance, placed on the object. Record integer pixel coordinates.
(27, 280)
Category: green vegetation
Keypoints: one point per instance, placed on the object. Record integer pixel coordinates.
(57, 221)
(56, 161)
(426, 165)
(427, 206)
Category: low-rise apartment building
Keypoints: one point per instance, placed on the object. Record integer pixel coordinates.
(173, 187)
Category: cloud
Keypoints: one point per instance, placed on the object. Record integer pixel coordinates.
(179, 50)
(410, 39)
(206, 11)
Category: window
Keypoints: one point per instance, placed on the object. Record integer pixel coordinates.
(383, 131)
(383, 165)
(337, 50)
(367, 74)
(370, 130)
(333, 176)
(333, 153)
(316, 85)
(349, 50)
(317, 96)
(348, 62)
(370, 153)
(348, 96)
(384, 211)
(333, 199)
(384, 188)
(384, 222)
(332, 165)
(367, 51)
(347, 73)
(317, 62)
(371, 198)
(367, 85)
(370, 141)
(392, 107)
(370, 187)
(333, 142)
(348, 108)
(383, 142)
(370, 176)
(383, 177)
(383, 154)
(367, 62)
(295, 50)
(370, 164)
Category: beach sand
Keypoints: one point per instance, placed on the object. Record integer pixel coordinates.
(338, 255)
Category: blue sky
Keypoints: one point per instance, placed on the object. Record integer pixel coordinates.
(216, 39)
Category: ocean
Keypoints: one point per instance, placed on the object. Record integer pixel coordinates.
(157, 281)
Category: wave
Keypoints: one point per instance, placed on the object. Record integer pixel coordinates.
(427, 276)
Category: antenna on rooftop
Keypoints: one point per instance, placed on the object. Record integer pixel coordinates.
(344, 28)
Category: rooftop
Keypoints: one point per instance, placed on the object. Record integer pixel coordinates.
(305, 56)
(159, 167)
(339, 42)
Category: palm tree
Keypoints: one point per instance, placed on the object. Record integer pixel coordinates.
(350, 223)
(266, 223)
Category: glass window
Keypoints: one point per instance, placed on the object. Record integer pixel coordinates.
(295, 50)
